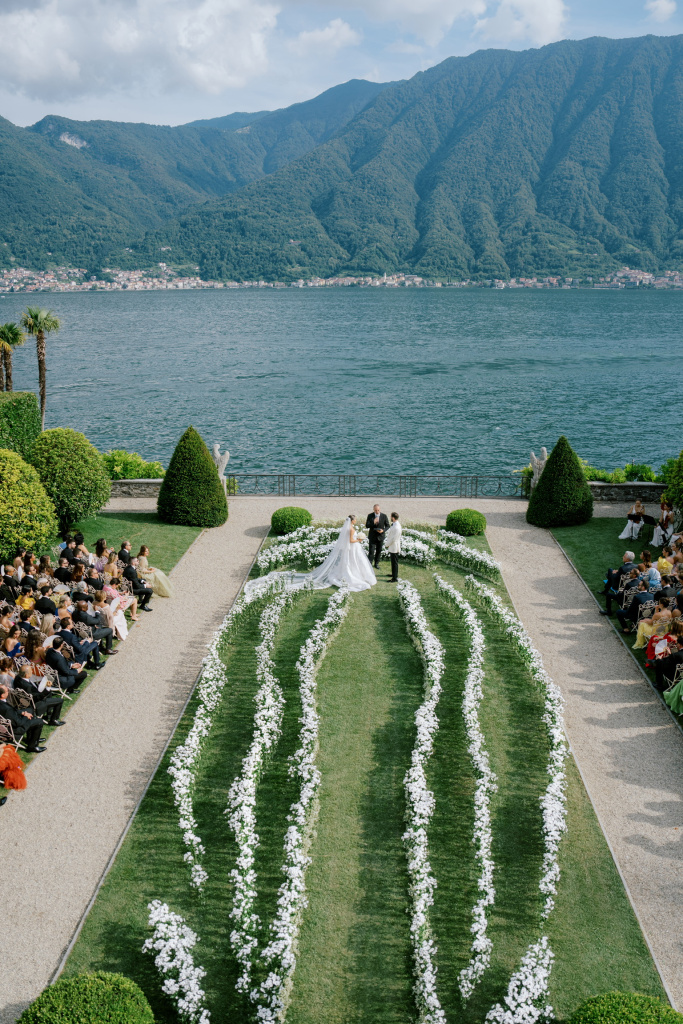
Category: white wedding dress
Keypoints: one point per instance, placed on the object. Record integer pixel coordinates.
(346, 563)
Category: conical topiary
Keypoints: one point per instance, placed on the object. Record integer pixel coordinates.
(191, 493)
(561, 497)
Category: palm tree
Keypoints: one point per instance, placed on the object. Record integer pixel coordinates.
(11, 337)
(40, 322)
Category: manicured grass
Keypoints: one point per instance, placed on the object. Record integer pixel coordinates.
(167, 544)
(354, 955)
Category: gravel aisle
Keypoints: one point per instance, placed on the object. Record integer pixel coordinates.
(60, 833)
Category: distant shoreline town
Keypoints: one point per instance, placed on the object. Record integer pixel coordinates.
(165, 278)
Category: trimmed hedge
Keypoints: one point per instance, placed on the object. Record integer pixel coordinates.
(625, 1008)
(19, 421)
(123, 465)
(72, 472)
(100, 998)
(466, 521)
(27, 516)
(674, 488)
(191, 493)
(289, 518)
(561, 497)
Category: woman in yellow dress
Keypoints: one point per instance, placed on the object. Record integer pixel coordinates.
(657, 624)
(158, 580)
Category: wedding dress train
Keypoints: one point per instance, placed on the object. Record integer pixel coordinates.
(346, 563)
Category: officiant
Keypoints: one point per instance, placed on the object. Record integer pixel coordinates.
(377, 525)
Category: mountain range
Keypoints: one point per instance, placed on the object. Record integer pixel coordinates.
(566, 159)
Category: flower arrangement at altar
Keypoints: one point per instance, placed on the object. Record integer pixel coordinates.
(449, 547)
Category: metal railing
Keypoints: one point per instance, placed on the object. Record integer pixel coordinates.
(290, 485)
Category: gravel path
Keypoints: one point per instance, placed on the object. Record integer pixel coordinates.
(82, 791)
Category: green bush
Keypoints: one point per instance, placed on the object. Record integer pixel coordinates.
(674, 489)
(625, 1008)
(561, 497)
(27, 516)
(123, 465)
(665, 471)
(19, 421)
(191, 493)
(466, 521)
(99, 998)
(640, 471)
(73, 473)
(289, 518)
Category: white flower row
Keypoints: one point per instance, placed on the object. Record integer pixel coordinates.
(553, 802)
(173, 942)
(280, 953)
(186, 756)
(305, 544)
(420, 808)
(526, 1000)
(486, 784)
(450, 548)
(270, 703)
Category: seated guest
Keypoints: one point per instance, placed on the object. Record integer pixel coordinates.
(63, 573)
(614, 579)
(119, 605)
(634, 523)
(645, 561)
(7, 673)
(665, 561)
(78, 573)
(80, 542)
(25, 624)
(155, 578)
(107, 613)
(6, 620)
(664, 527)
(45, 566)
(99, 632)
(94, 580)
(670, 657)
(101, 554)
(85, 651)
(19, 557)
(47, 707)
(25, 724)
(111, 567)
(124, 552)
(25, 599)
(10, 589)
(11, 645)
(68, 550)
(657, 624)
(45, 605)
(81, 555)
(668, 589)
(140, 590)
(71, 675)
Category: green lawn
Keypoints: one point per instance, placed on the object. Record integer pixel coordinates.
(354, 956)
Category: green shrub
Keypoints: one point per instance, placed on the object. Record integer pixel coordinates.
(625, 1008)
(561, 497)
(639, 471)
(191, 493)
(123, 465)
(665, 471)
(19, 421)
(466, 521)
(674, 489)
(99, 998)
(289, 518)
(73, 473)
(27, 516)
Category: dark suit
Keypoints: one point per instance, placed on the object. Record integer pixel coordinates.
(69, 678)
(22, 726)
(141, 591)
(376, 535)
(46, 606)
(83, 649)
(629, 615)
(99, 631)
(613, 581)
(124, 556)
(665, 669)
(63, 574)
(29, 581)
(10, 582)
(49, 708)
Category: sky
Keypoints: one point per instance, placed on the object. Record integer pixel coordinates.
(173, 61)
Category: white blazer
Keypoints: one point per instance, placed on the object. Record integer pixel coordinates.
(393, 538)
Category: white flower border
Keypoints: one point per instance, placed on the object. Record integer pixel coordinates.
(311, 545)
(528, 987)
(420, 808)
(486, 784)
(173, 942)
(185, 757)
(270, 703)
(280, 953)
(450, 548)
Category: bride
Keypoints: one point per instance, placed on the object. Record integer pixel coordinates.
(346, 563)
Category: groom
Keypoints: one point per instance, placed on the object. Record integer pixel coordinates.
(376, 524)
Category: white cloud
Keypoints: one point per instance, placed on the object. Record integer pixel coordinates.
(538, 21)
(661, 10)
(427, 19)
(60, 49)
(324, 41)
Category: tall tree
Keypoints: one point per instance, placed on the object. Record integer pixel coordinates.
(39, 323)
(11, 337)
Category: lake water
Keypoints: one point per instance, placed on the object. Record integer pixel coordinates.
(344, 380)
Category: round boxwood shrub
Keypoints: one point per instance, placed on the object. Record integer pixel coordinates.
(466, 521)
(27, 516)
(625, 1008)
(561, 497)
(289, 518)
(99, 998)
(73, 473)
(191, 493)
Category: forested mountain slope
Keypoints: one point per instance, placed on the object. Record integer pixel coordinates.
(566, 159)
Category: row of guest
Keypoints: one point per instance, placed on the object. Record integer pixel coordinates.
(637, 517)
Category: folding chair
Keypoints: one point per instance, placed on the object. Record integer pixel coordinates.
(7, 733)
(678, 675)
(646, 610)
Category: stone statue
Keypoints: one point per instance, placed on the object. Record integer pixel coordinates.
(221, 462)
(538, 465)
